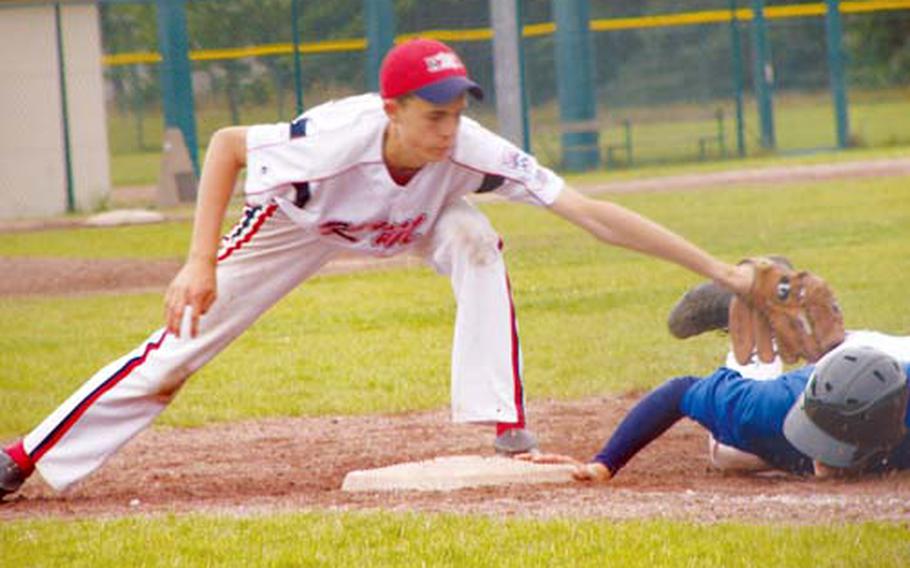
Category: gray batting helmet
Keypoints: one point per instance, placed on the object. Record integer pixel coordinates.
(853, 408)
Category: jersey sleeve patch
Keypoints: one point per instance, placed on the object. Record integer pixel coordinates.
(522, 166)
(525, 180)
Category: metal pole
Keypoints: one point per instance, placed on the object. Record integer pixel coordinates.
(627, 129)
(575, 75)
(176, 80)
(836, 71)
(763, 75)
(525, 104)
(380, 28)
(510, 108)
(64, 110)
(721, 138)
(738, 82)
(298, 71)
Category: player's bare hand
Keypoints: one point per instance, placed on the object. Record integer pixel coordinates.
(537, 457)
(594, 471)
(193, 287)
(740, 279)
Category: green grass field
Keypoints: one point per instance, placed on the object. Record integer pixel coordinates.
(592, 321)
(592, 317)
(384, 539)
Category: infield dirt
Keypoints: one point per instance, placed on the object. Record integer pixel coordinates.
(299, 463)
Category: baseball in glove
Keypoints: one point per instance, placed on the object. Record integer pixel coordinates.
(797, 311)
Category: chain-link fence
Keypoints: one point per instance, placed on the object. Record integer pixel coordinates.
(878, 54)
(668, 75)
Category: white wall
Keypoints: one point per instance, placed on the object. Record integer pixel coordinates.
(32, 159)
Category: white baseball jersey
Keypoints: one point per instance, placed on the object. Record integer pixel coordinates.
(334, 153)
(317, 187)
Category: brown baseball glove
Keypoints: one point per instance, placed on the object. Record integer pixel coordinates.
(795, 310)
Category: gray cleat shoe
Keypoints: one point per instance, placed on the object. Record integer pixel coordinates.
(703, 308)
(515, 441)
(11, 476)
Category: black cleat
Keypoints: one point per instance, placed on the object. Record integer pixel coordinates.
(703, 308)
(11, 475)
(706, 307)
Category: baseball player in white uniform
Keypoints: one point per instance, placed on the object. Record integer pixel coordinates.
(376, 175)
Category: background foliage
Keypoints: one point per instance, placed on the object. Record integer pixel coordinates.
(665, 74)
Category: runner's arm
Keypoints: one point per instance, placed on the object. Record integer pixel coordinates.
(651, 417)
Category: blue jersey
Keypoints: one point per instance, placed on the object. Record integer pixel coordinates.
(749, 415)
(744, 413)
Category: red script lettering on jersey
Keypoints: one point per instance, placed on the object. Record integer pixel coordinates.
(382, 234)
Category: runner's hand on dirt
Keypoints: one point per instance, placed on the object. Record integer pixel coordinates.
(194, 287)
(594, 471)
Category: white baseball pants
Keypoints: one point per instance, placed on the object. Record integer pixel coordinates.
(261, 260)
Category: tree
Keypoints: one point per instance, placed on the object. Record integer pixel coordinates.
(878, 48)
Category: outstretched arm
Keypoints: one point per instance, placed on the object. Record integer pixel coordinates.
(651, 417)
(647, 421)
(619, 226)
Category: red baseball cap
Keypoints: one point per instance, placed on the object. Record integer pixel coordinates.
(427, 68)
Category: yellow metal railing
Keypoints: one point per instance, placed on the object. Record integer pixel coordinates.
(531, 30)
